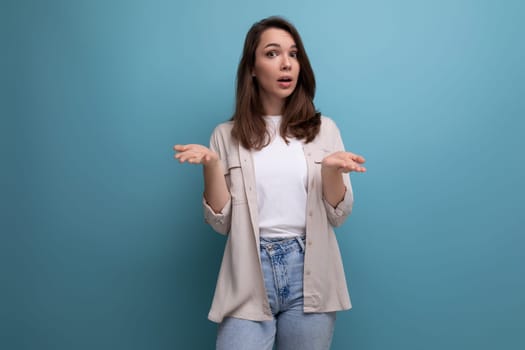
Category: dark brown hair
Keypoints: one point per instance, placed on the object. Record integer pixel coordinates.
(299, 117)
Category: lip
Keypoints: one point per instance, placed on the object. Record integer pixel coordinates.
(289, 77)
(285, 84)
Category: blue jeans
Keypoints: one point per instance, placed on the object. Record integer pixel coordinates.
(291, 329)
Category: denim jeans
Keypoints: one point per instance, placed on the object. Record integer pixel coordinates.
(291, 329)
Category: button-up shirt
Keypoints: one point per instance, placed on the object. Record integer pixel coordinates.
(240, 290)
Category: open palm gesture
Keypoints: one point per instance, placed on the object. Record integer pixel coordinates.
(195, 154)
(344, 162)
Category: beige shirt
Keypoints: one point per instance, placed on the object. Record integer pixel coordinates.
(240, 290)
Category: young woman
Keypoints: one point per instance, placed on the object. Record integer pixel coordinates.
(276, 183)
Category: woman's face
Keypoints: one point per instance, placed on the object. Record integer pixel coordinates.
(276, 67)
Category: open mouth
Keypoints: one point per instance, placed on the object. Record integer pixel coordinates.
(284, 80)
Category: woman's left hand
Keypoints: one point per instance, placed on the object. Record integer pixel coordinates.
(344, 162)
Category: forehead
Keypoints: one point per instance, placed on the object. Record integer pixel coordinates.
(276, 36)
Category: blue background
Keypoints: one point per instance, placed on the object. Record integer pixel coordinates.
(103, 245)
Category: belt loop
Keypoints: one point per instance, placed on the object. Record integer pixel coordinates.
(301, 243)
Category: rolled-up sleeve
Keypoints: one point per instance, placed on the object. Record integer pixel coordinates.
(220, 222)
(337, 215)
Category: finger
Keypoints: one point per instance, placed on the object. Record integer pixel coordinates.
(182, 159)
(357, 158)
(360, 169)
(182, 155)
(180, 148)
(195, 160)
(357, 167)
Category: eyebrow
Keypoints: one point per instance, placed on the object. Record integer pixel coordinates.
(277, 45)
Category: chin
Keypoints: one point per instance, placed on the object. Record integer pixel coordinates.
(286, 94)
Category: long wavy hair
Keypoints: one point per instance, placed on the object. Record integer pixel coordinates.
(300, 119)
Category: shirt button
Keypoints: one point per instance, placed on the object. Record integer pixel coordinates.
(310, 213)
(309, 243)
(308, 272)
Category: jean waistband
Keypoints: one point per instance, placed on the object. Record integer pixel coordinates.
(283, 243)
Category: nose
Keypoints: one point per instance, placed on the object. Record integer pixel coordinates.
(286, 63)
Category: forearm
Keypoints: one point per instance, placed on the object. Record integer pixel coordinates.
(333, 186)
(216, 191)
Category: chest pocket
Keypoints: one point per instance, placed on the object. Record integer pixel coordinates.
(235, 180)
(319, 154)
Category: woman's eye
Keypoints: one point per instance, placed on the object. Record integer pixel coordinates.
(293, 54)
(271, 54)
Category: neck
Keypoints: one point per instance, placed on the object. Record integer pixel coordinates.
(272, 106)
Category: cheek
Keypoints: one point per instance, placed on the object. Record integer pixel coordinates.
(264, 77)
(264, 70)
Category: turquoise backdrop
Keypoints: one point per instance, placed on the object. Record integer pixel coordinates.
(103, 244)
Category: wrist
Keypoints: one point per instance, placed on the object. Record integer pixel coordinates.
(329, 170)
(211, 164)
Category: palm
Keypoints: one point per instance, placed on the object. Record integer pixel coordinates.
(344, 162)
(195, 154)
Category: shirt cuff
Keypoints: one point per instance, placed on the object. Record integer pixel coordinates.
(343, 207)
(212, 217)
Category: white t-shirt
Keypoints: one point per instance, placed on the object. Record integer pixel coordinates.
(281, 178)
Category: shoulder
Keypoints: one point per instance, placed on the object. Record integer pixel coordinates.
(328, 126)
(221, 137)
(223, 128)
(329, 136)
(222, 131)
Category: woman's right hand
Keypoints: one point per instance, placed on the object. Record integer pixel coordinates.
(195, 154)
